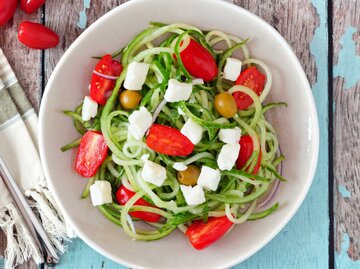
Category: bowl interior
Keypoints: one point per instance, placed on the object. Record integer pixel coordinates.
(296, 125)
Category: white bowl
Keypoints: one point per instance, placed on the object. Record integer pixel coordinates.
(297, 128)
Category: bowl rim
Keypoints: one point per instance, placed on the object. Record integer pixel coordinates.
(314, 142)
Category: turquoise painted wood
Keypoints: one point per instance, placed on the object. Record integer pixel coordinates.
(303, 243)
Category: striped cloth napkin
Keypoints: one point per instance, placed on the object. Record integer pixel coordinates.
(19, 150)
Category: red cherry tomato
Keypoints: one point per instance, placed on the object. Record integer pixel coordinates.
(7, 10)
(123, 195)
(198, 61)
(99, 85)
(29, 6)
(246, 149)
(202, 234)
(91, 153)
(167, 140)
(37, 36)
(252, 79)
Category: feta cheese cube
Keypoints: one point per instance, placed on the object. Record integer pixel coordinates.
(140, 120)
(89, 109)
(228, 156)
(177, 91)
(153, 173)
(193, 131)
(193, 195)
(136, 76)
(179, 166)
(100, 192)
(232, 69)
(209, 178)
(197, 81)
(230, 136)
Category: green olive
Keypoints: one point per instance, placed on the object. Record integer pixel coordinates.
(189, 176)
(130, 99)
(225, 104)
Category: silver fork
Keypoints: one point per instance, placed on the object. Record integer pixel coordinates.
(35, 228)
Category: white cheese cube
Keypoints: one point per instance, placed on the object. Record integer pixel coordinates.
(228, 156)
(193, 195)
(179, 166)
(177, 91)
(193, 131)
(197, 81)
(100, 192)
(232, 69)
(89, 109)
(153, 173)
(140, 120)
(209, 178)
(135, 76)
(230, 136)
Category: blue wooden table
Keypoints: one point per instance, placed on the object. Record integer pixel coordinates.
(325, 233)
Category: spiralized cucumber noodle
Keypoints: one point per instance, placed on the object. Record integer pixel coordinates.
(239, 191)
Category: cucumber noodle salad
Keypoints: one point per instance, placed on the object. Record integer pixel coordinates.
(174, 135)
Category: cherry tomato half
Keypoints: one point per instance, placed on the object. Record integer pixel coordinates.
(123, 195)
(167, 140)
(7, 10)
(91, 153)
(29, 6)
(246, 149)
(253, 79)
(202, 234)
(198, 61)
(100, 85)
(37, 36)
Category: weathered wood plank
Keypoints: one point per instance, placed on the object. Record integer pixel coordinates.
(346, 60)
(26, 62)
(27, 65)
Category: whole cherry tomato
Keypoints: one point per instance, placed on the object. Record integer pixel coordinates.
(7, 10)
(123, 195)
(198, 61)
(29, 6)
(167, 140)
(202, 234)
(91, 153)
(253, 79)
(100, 85)
(246, 149)
(37, 36)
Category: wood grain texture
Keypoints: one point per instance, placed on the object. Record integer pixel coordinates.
(27, 66)
(26, 62)
(347, 125)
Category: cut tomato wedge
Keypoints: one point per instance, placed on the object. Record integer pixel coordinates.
(123, 195)
(202, 234)
(246, 149)
(91, 153)
(253, 79)
(167, 140)
(198, 61)
(100, 85)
